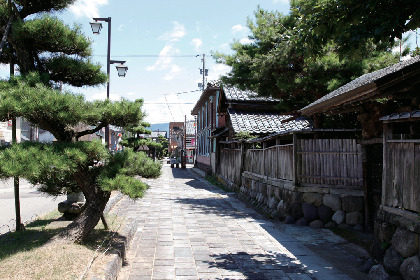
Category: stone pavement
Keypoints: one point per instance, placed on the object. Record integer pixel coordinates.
(190, 229)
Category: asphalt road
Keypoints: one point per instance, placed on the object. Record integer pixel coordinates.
(32, 203)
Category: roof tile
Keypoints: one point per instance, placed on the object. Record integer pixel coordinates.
(257, 122)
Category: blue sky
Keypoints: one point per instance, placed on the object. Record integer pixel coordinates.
(172, 32)
(164, 28)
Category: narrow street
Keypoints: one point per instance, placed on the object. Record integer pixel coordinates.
(190, 229)
(32, 203)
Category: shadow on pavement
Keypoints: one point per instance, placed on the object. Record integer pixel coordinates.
(271, 265)
(258, 266)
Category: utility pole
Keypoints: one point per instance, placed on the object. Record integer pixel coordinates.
(204, 72)
(15, 179)
(14, 124)
(184, 158)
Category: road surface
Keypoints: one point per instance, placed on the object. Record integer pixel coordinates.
(32, 203)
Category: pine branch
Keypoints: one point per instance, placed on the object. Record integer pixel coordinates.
(90, 131)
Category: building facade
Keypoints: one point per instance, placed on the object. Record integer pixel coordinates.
(175, 132)
(207, 118)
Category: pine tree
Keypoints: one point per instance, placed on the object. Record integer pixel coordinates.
(136, 138)
(47, 53)
(276, 63)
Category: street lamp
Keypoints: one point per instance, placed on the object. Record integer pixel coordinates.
(122, 69)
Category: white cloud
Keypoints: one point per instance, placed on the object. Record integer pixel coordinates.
(217, 71)
(121, 27)
(87, 8)
(197, 43)
(238, 28)
(171, 108)
(245, 40)
(225, 46)
(102, 96)
(177, 33)
(165, 63)
(175, 70)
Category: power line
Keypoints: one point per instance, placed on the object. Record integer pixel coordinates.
(148, 55)
(181, 92)
(165, 103)
(180, 106)
(169, 108)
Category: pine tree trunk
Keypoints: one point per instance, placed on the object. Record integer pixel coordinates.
(94, 206)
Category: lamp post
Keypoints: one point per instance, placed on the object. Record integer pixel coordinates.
(122, 69)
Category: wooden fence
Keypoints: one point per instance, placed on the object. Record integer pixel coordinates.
(306, 162)
(333, 162)
(401, 184)
(275, 161)
(229, 164)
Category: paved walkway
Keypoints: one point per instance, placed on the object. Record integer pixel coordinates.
(189, 229)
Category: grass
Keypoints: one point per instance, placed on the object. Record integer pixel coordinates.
(213, 180)
(30, 254)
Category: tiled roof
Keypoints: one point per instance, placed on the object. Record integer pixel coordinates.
(257, 122)
(402, 116)
(361, 81)
(235, 94)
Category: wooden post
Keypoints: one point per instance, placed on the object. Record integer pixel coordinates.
(241, 169)
(264, 148)
(295, 159)
(367, 193)
(387, 135)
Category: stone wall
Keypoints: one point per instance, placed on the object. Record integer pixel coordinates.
(314, 206)
(395, 250)
(396, 245)
(206, 168)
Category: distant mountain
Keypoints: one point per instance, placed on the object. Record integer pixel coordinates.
(160, 127)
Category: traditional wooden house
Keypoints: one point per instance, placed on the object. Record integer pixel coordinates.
(395, 92)
(205, 111)
(223, 112)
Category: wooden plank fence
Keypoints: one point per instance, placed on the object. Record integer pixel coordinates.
(332, 162)
(401, 184)
(275, 161)
(229, 165)
(309, 162)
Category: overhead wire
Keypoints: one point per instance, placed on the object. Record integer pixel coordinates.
(146, 55)
(169, 108)
(180, 106)
(165, 103)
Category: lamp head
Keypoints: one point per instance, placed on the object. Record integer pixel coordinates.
(96, 27)
(122, 70)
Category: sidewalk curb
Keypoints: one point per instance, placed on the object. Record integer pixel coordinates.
(112, 268)
(198, 172)
(112, 201)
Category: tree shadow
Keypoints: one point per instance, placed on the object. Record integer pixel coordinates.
(35, 235)
(40, 232)
(181, 173)
(242, 265)
(271, 265)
